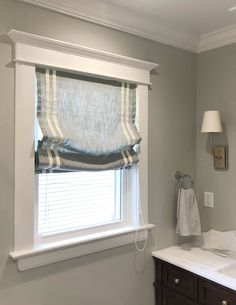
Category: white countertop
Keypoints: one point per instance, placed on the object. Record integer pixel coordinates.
(200, 262)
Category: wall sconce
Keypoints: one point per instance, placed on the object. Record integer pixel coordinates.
(211, 123)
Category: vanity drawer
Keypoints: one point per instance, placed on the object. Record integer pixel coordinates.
(213, 294)
(172, 298)
(180, 280)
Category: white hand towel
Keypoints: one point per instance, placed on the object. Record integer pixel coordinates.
(188, 220)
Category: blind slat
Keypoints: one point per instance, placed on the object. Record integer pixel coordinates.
(70, 201)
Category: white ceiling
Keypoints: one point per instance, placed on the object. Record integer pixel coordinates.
(194, 25)
(196, 17)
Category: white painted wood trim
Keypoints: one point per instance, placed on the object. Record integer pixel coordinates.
(113, 16)
(27, 254)
(24, 157)
(83, 65)
(38, 50)
(32, 258)
(142, 97)
(120, 19)
(216, 39)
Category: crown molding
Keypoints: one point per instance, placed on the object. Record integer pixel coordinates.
(115, 17)
(109, 15)
(216, 39)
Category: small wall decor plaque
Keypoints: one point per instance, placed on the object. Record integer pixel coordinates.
(221, 157)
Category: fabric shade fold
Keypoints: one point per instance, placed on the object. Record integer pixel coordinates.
(86, 123)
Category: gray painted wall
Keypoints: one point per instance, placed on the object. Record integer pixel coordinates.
(118, 276)
(216, 90)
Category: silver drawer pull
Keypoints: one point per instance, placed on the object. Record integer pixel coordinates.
(224, 302)
(176, 281)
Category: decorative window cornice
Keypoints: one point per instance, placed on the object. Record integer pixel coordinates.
(30, 48)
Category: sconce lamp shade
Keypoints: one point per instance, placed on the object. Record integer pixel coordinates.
(211, 122)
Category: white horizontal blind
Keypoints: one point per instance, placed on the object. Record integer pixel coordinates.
(78, 200)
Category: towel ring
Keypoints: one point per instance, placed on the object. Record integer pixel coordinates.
(181, 176)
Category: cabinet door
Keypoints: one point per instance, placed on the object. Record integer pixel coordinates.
(214, 294)
(171, 298)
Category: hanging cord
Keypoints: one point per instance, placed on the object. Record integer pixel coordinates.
(141, 219)
(145, 236)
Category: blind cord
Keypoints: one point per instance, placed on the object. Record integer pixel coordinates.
(145, 236)
(142, 223)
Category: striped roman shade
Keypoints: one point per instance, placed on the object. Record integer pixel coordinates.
(86, 123)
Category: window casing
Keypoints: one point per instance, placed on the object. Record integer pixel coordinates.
(32, 51)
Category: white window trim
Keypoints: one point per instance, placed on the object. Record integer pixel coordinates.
(30, 51)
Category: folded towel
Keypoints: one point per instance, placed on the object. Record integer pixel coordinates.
(188, 220)
(218, 240)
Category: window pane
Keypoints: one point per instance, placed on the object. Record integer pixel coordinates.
(77, 200)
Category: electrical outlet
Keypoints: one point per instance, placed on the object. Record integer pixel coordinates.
(208, 199)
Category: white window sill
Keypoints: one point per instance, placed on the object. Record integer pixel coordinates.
(62, 250)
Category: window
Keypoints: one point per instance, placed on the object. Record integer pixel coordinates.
(43, 245)
(68, 202)
(86, 134)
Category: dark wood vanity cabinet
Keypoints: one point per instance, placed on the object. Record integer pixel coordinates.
(211, 293)
(176, 286)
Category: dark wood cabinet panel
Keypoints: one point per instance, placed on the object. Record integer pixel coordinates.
(172, 298)
(181, 281)
(210, 293)
(176, 286)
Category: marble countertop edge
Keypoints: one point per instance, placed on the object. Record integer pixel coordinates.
(200, 262)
